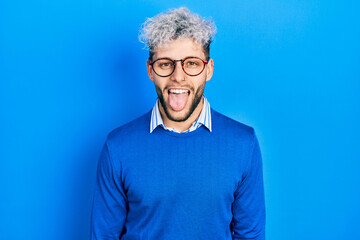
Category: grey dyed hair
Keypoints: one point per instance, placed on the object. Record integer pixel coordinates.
(174, 24)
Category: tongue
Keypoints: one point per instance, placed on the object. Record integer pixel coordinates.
(178, 101)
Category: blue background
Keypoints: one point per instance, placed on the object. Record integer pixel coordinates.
(71, 71)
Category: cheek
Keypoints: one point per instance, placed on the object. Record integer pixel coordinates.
(200, 82)
(159, 84)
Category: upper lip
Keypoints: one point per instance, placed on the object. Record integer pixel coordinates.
(179, 88)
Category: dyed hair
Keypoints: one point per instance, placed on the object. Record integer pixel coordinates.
(175, 24)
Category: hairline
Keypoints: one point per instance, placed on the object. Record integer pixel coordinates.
(204, 48)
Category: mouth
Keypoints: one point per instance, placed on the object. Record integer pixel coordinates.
(178, 91)
(178, 98)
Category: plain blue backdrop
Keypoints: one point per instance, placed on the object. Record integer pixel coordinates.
(71, 71)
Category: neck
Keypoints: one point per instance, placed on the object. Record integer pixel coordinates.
(185, 125)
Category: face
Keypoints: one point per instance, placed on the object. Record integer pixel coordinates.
(179, 93)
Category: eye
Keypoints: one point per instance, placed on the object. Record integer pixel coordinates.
(192, 63)
(164, 64)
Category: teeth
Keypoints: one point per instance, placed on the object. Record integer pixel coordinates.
(178, 91)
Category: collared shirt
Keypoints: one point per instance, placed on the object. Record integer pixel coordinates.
(203, 119)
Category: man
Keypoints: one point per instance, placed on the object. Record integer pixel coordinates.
(183, 170)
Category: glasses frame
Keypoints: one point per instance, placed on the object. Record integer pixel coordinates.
(182, 66)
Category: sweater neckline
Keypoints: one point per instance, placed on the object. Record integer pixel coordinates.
(199, 130)
(161, 130)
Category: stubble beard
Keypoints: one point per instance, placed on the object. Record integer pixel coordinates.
(197, 98)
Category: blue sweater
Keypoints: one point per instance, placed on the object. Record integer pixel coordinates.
(167, 185)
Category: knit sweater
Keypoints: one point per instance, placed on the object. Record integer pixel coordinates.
(168, 185)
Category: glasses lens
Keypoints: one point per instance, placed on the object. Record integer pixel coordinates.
(163, 67)
(193, 66)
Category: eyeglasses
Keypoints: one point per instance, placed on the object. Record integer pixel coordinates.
(192, 66)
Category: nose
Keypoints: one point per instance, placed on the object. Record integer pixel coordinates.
(178, 74)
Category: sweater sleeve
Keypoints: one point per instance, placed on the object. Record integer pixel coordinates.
(248, 208)
(110, 203)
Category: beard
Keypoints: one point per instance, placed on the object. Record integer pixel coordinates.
(197, 98)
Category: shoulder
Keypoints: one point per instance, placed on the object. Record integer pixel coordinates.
(229, 126)
(133, 129)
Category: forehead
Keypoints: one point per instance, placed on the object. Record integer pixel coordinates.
(179, 49)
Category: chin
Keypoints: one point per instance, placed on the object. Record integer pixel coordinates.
(180, 116)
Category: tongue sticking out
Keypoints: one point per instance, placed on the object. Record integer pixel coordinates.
(178, 101)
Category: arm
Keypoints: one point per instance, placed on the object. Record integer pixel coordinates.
(110, 204)
(248, 207)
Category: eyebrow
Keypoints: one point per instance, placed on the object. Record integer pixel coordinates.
(191, 56)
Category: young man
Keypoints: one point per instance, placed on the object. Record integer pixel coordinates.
(182, 170)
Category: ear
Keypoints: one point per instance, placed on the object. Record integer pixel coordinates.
(209, 69)
(149, 70)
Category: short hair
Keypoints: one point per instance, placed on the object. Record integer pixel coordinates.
(174, 24)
